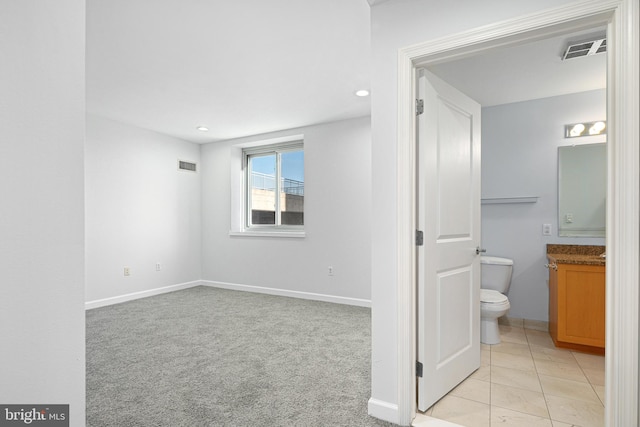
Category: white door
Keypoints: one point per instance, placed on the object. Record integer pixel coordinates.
(449, 215)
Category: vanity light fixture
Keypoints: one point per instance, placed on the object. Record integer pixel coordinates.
(203, 128)
(585, 129)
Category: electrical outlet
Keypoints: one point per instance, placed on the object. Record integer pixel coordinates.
(158, 266)
(330, 270)
(127, 271)
(568, 218)
(546, 229)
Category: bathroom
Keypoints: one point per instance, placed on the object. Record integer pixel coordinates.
(520, 142)
(528, 95)
(520, 159)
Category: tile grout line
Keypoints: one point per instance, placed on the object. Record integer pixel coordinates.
(535, 366)
(588, 379)
(491, 405)
(529, 346)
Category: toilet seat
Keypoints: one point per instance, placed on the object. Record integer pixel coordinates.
(489, 296)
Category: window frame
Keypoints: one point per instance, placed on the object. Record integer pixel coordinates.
(276, 149)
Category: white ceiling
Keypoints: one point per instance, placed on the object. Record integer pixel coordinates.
(239, 67)
(254, 66)
(531, 71)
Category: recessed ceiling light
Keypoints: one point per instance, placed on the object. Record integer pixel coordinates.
(203, 128)
(362, 92)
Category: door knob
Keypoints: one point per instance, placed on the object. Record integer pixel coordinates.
(480, 251)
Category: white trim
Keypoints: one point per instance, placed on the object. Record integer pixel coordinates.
(275, 147)
(383, 410)
(623, 213)
(407, 222)
(577, 16)
(270, 141)
(238, 194)
(623, 246)
(281, 234)
(288, 293)
(137, 295)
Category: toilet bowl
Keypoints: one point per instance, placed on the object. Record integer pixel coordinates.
(493, 305)
(496, 279)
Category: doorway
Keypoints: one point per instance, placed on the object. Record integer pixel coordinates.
(523, 119)
(622, 297)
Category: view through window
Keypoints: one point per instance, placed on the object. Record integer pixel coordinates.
(275, 187)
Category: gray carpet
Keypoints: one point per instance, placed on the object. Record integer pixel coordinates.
(213, 357)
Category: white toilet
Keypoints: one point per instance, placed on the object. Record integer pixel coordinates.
(496, 279)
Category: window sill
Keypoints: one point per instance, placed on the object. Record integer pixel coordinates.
(269, 233)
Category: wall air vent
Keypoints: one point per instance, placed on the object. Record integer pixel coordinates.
(587, 48)
(187, 166)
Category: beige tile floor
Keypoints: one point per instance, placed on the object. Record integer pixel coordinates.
(525, 381)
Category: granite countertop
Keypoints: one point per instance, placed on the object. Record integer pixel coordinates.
(576, 254)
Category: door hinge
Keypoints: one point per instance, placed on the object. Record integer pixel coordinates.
(419, 106)
(419, 238)
(418, 369)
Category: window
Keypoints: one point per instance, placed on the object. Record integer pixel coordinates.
(274, 186)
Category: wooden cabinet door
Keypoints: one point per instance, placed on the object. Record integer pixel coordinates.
(581, 304)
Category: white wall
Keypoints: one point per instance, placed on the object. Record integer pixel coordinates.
(337, 218)
(397, 24)
(42, 358)
(520, 158)
(140, 209)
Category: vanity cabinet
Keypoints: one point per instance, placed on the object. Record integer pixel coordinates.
(577, 306)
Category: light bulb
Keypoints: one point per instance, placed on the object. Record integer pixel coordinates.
(577, 130)
(597, 128)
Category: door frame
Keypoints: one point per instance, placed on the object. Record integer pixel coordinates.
(623, 188)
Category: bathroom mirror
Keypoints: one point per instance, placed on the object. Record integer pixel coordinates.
(582, 190)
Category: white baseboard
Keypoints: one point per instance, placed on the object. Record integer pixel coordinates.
(287, 293)
(137, 295)
(383, 410)
(232, 286)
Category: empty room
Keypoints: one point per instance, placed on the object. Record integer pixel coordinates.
(221, 213)
(228, 186)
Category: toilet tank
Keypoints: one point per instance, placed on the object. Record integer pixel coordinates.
(496, 273)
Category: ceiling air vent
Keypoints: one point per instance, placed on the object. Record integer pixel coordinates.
(187, 166)
(587, 48)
